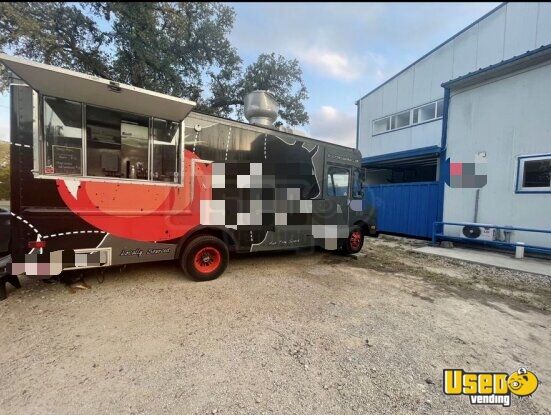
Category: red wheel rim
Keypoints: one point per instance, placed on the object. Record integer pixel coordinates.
(207, 259)
(355, 240)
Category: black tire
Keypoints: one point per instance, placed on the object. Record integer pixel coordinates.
(354, 243)
(3, 291)
(214, 248)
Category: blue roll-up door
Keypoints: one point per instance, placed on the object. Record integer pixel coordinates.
(404, 208)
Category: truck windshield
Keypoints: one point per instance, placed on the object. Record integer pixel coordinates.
(338, 179)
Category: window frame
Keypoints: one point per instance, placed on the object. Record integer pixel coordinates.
(336, 166)
(149, 181)
(519, 188)
(42, 130)
(352, 180)
(388, 121)
(394, 118)
(149, 141)
(434, 110)
(411, 118)
(179, 146)
(440, 104)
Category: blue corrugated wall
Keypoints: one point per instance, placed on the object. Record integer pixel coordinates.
(406, 208)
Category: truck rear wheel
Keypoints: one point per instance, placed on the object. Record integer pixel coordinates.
(205, 258)
(355, 241)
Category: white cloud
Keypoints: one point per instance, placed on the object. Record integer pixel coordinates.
(343, 66)
(367, 42)
(332, 63)
(330, 124)
(324, 37)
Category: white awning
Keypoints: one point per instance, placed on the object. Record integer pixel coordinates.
(76, 86)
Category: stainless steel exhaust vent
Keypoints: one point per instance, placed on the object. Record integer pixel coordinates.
(261, 108)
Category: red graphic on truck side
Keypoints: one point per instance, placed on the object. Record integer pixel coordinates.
(141, 211)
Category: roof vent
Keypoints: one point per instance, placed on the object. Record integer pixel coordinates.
(261, 108)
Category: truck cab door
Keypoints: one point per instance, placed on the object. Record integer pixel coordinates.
(338, 191)
(355, 206)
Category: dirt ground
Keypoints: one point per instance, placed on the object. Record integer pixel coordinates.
(290, 333)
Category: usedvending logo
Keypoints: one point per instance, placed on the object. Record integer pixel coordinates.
(490, 388)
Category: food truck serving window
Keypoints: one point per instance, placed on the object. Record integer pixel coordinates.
(166, 154)
(116, 144)
(91, 141)
(62, 137)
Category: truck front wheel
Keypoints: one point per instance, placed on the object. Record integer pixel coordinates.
(205, 258)
(355, 241)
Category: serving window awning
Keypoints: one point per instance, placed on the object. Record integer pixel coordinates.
(76, 86)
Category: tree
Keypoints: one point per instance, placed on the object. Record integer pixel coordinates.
(181, 49)
(276, 74)
(53, 33)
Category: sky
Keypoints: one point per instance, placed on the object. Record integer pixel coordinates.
(345, 49)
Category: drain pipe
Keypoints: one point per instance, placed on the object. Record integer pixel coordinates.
(477, 198)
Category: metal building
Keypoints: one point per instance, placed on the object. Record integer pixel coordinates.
(461, 135)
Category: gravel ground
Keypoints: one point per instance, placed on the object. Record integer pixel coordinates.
(282, 333)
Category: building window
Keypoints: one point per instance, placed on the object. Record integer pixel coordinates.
(534, 174)
(381, 126)
(400, 120)
(62, 137)
(427, 112)
(338, 179)
(439, 108)
(117, 144)
(422, 114)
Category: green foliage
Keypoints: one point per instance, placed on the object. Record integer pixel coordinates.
(181, 49)
(273, 73)
(279, 75)
(54, 33)
(166, 46)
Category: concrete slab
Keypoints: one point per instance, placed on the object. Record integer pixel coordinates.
(496, 259)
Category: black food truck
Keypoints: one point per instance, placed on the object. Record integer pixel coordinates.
(106, 174)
